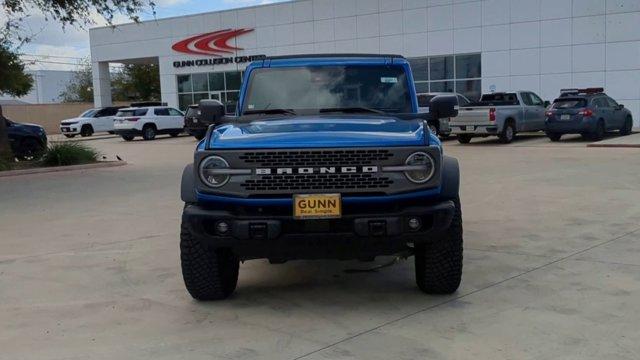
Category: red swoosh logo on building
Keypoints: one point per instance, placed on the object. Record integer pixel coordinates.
(213, 43)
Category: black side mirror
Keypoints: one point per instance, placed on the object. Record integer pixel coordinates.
(443, 106)
(547, 103)
(211, 110)
(620, 106)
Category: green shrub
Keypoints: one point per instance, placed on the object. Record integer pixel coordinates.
(69, 153)
(4, 164)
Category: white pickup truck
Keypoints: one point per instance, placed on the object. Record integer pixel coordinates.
(501, 114)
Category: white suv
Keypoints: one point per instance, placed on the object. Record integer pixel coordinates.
(90, 121)
(148, 122)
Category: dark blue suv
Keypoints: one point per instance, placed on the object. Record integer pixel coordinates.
(589, 112)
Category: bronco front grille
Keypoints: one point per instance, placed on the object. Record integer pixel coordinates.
(342, 157)
(317, 181)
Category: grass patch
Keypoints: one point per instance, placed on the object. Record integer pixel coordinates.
(69, 153)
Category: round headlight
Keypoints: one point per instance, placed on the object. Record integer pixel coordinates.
(208, 172)
(424, 167)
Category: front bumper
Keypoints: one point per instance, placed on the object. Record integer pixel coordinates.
(353, 236)
(70, 129)
(480, 130)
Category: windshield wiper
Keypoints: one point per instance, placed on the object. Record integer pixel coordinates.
(354, 109)
(270, 111)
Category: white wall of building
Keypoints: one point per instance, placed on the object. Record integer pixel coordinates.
(539, 45)
(47, 86)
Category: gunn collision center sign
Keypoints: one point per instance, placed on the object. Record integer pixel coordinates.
(214, 44)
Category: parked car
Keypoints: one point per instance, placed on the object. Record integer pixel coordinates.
(89, 122)
(589, 112)
(27, 140)
(193, 124)
(501, 114)
(336, 164)
(148, 122)
(439, 126)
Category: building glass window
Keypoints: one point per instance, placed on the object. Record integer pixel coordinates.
(184, 83)
(199, 82)
(222, 86)
(452, 73)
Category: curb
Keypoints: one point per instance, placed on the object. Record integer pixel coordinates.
(614, 145)
(98, 165)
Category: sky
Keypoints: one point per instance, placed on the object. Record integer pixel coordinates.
(55, 48)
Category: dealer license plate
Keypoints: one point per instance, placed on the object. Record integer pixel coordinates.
(317, 206)
(565, 117)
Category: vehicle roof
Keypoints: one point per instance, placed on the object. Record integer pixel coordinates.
(329, 59)
(145, 107)
(331, 55)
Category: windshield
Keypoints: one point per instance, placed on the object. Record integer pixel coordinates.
(89, 113)
(193, 112)
(569, 103)
(315, 88)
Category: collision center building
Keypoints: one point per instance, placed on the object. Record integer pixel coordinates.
(453, 45)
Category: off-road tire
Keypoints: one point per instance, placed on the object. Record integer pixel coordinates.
(464, 139)
(208, 274)
(29, 149)
(127, 137)
(627, 127)
(508, 133)
(438, 263)
(599, 133)
(554, 136)
(148, 132)
(86, 130)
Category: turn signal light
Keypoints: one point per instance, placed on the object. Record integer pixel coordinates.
(132, 119)
(492, 114)
(585, 112)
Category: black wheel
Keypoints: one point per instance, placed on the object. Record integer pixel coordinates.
(29, 149)
(70, 136)
(86, 130)
(149, 132)
(554, 136)
(127, 137)
(599, 132)
(439, 262)
(111, 132)
(208, 274)
(464, 138)
(627, 126)
(508, 133)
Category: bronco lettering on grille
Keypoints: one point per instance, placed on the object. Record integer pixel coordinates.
(319, 170)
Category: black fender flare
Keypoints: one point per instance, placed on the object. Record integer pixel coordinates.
(188, 185)
(450, 188)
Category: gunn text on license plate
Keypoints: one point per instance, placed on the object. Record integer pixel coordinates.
(317, 206)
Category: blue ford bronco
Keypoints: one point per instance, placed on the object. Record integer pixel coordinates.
(327, 157)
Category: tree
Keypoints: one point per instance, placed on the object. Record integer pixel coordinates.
(65, 12)
(80, 88)
(13, 81)
(140, 82)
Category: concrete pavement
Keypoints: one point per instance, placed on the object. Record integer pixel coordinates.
(89, 268)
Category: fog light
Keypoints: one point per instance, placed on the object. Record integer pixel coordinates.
(222, 227)
(414, 224)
